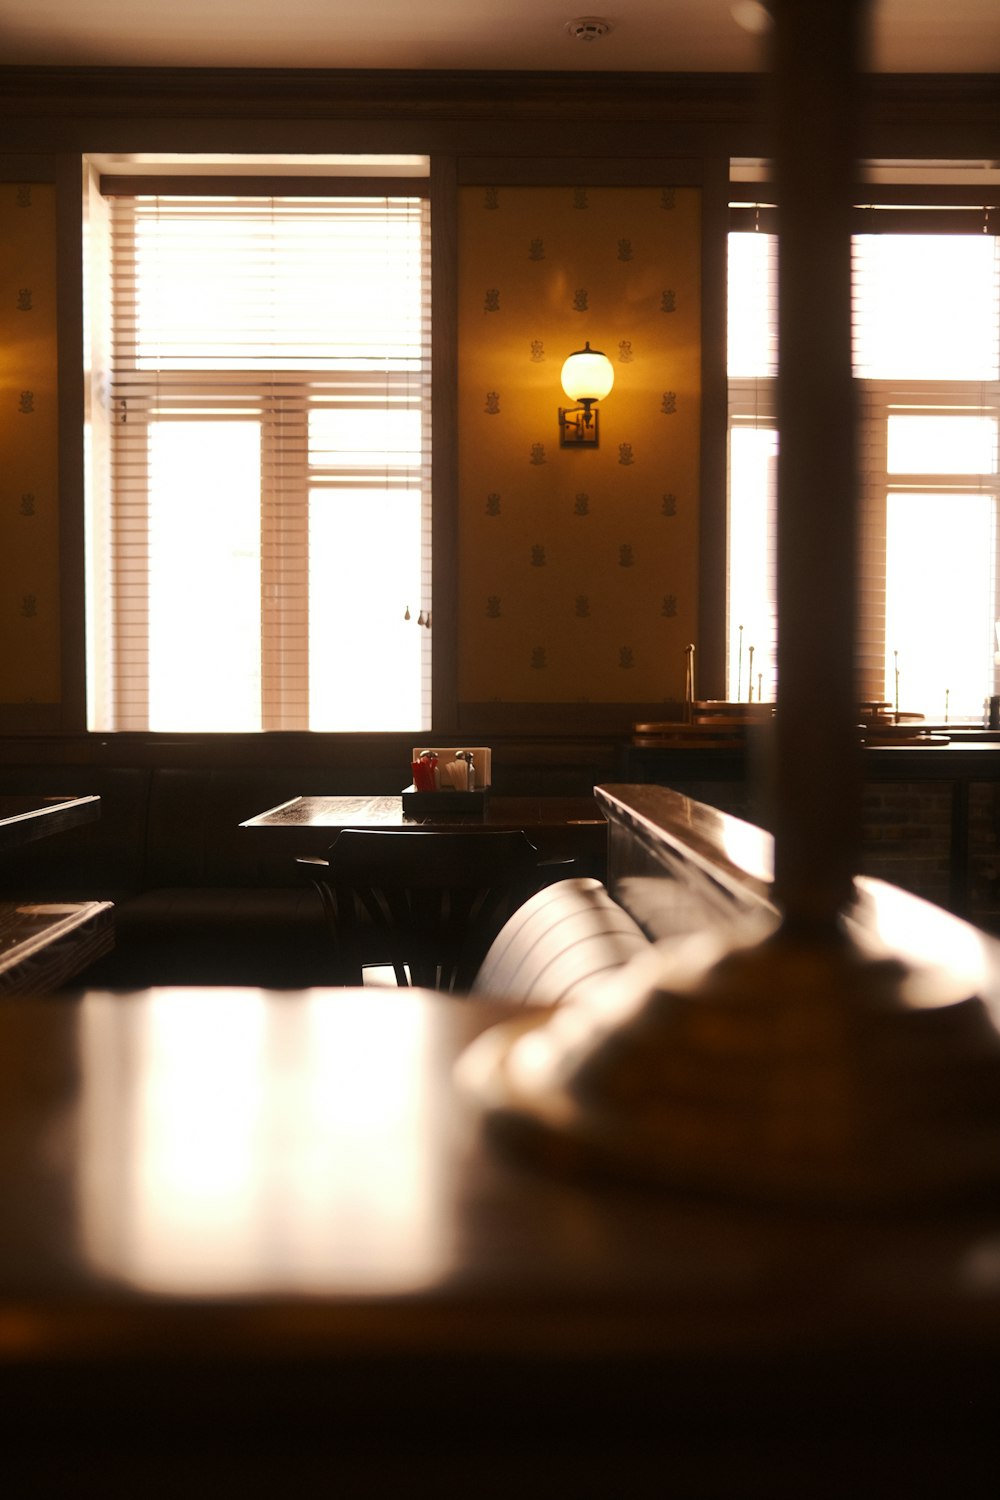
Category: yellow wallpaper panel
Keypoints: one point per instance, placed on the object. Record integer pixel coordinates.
(578, 568)
(29, 480)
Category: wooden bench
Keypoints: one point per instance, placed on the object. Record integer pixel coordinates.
(565, 938)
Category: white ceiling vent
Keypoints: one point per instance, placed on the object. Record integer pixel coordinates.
(588, 28)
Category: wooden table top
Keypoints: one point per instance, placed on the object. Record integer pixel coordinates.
(302, 1171)
(274, 1217)
(44, 944)
(25, 818)
(387, 812)
(559, 827)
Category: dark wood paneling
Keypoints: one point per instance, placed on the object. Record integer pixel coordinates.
(422, 94)
(349, 761)
(926, 115)
(560, 719)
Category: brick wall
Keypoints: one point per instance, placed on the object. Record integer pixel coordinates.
(984, 854)
(906, 837)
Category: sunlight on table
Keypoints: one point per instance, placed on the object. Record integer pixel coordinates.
(250, 1142)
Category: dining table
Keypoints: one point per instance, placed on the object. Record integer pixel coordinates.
(24, 818)
(45, 943)
(258, 1242)
(567, 828)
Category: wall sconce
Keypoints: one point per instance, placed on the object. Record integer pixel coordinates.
(587, 377)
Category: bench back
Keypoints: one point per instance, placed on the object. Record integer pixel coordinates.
(563, 938)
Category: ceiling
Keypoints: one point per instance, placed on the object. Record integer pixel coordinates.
(907, 36)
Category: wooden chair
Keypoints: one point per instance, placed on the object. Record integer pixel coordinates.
(427, 902)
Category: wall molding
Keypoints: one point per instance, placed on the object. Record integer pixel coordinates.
(140, 93)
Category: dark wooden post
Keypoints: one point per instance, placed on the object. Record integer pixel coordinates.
(816, 771)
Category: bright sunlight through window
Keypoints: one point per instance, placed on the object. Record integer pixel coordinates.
(927, 357)
(260, 549)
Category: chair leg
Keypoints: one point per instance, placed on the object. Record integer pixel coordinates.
(346, 965)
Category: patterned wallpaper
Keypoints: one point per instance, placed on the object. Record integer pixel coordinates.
(578, 568)
(29, 479)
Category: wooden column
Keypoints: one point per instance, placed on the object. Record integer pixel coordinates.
(814, 81)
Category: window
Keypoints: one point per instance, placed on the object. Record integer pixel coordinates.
(260, 486)
(927, 359)
(753, 451)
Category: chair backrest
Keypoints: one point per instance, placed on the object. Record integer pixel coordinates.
(427, 901)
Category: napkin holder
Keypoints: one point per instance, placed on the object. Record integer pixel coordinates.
(446, 798)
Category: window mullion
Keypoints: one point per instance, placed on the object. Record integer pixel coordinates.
(872, 419)
(129, 560)
(284, 612)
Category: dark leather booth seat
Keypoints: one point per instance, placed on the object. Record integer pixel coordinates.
(193, 901)
(566, 939)
(197, 900)
(103, 860)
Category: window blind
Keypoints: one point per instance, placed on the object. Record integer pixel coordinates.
(926, 335)
(267, 552)
(926, 310)
(752, 624)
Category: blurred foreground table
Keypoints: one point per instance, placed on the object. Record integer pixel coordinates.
(256, 1238)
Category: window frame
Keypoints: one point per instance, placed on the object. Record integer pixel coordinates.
(753, 401)
(283, 663)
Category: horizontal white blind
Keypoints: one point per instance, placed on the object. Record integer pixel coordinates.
(752, 624)
(926, 311)
(268, 284)
(270, 498)
(926, 334)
